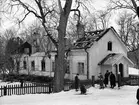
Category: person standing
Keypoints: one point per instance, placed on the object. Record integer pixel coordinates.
(76, 82)
(119, 80)
(106, 78)
(112, 80)
(137, 96)
(101, 81)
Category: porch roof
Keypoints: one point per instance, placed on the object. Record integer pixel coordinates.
(113, 58)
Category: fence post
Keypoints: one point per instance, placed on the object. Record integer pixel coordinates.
(50, 86)
(119, 81)
(5, 90)
(21, 81)
(93, 80)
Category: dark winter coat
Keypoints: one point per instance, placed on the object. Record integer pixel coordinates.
(137, 94)
(106, 78)
(76, 82)
(101, 81)
(82, 89)
(112, 80)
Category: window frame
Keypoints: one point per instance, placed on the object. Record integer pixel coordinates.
(24, 64)
(43, 64)
(109, 46)
(33, 64)
(81, 67)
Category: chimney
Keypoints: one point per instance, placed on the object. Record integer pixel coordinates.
(80, 30)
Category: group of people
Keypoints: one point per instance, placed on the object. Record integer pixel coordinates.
(109, 76)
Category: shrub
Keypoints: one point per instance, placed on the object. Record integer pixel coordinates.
(30, 78)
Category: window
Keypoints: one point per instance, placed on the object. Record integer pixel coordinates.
(80, 67)
(33, 65)
(109, 46)
(24, 64)
(18, 66)
(26, 50)
(53, 66)
(43, 65)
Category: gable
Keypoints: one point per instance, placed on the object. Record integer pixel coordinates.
(102, 44)
(94, 36)
(117, 36)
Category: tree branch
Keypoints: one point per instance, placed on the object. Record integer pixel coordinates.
(134, 4)
(60, 6)
(26, 7)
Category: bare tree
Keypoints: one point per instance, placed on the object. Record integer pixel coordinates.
(43, 10)
(127, 30)
(104, 18)
(130, 35)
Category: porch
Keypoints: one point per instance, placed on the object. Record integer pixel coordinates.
(116, 63)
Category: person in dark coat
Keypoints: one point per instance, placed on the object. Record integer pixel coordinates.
(76, 82)
(83, 89)
(101, 81)
(119, 80)
(112, 80)
(137, 96)
(106, 78)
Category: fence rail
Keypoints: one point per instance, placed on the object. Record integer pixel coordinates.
(134, 80)
(33, 88)
(25, 89)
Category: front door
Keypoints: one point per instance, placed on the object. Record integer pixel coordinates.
(121, 69)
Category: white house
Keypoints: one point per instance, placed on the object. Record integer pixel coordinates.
(94, 53)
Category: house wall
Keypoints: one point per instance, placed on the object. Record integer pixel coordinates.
(99, 51)
(38, 69)
(75, 57)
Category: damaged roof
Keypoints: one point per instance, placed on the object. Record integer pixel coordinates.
(89, 38)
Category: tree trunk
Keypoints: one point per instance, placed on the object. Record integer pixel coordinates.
(60, 72)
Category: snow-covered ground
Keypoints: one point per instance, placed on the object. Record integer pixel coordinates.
(95, 96)
(126, 95)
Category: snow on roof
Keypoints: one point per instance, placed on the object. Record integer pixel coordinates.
(133, 71)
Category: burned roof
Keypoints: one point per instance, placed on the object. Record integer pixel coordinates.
(89, 38)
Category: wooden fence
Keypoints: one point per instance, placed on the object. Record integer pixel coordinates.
(33, 88)
(134, 80)
(25, 89)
